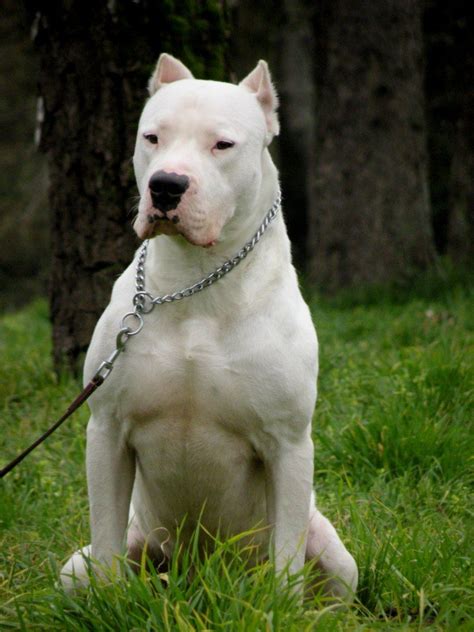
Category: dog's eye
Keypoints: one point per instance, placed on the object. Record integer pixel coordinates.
(224, 144)
(151, 138)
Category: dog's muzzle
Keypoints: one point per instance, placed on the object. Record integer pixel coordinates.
(166, 190)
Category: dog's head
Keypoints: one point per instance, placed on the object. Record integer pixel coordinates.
(198, 154)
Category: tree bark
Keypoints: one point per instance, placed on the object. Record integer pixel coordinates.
(369, 202)
(281, 33)
(296, 88)
(95, 61)
(450, 98)
(461, 184)
(23, 177)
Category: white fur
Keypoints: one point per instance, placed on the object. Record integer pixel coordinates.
(208, 412)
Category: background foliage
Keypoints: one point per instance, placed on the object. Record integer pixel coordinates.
(272, 30)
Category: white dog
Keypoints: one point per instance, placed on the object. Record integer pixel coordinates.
(207, 415)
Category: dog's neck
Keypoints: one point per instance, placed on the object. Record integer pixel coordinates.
(173, 263)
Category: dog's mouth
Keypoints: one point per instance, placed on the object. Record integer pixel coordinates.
(160, 225)
(151, 224)
(155, 217)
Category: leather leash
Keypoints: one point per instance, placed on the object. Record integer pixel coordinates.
(77, 403)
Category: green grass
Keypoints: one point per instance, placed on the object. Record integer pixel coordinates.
(394, 457)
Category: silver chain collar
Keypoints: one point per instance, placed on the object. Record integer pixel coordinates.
(132, 323)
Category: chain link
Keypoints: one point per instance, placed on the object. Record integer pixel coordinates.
(144, 302)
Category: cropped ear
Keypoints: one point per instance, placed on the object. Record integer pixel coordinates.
(168, 69)
(260, 83)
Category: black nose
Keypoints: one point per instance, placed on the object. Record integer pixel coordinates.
(166, 189)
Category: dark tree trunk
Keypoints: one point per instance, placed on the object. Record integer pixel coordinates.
(369, 202)
(461, 218)
(281, 33)
(23, 177)
(296, 88)
(95, 61)
(450, 99)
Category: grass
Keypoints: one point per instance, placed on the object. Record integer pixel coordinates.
(394, 456)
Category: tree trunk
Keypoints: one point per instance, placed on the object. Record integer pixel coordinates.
(296, 88)
(23, 177)
(95, 61)
(450, 98)
(461, 218)
(280, 32)
(369, 202)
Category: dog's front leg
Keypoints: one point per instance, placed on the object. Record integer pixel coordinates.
(289, 476)
(110, 476)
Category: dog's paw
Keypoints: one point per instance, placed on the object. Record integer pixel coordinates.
(75, 574)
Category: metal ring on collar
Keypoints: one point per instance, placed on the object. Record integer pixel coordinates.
(144, 302)
(129, 330)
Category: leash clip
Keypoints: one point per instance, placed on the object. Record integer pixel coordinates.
(125, 332)
(105, 368)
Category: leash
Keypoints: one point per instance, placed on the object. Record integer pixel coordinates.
(144, 303)
(80, 399)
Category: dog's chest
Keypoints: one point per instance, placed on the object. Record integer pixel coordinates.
(186, 369)
(187, 406)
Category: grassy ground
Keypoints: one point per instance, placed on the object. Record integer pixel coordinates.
(394, 450)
